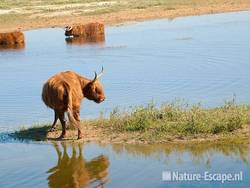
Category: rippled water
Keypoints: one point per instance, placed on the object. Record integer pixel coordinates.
(75, 165)
(201, 59)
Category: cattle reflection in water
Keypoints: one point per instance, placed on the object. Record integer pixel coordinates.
(12, 46)
(75, 172)
(81, 40)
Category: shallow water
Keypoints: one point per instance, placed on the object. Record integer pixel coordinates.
(201, 59)
(56, 164)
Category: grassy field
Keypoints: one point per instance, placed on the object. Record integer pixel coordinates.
(26, 14)
(175, 121)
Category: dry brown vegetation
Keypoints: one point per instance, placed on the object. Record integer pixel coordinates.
(26, 14)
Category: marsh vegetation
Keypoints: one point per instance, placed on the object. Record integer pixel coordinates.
(176, 121)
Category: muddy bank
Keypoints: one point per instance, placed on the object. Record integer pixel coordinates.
(104, 136)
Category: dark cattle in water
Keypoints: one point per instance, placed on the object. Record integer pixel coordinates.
(12, 38)
(91, 32)
(64, 92)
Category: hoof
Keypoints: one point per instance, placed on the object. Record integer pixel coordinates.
(52, 129)
(79, 137)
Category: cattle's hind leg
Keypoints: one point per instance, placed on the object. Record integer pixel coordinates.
(53, 127)
(63, 122)
(76, 114)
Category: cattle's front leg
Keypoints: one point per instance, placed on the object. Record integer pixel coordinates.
(76, 114)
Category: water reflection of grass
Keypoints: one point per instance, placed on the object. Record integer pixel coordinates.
(198, 152)
(170, 122)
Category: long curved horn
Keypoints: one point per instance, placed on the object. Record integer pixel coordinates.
(100, 74)
(97, 76)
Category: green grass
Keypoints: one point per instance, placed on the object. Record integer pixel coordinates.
(167, 122)
(178, 117)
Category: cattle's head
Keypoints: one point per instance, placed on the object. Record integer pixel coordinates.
(94, 90)
(68, 31)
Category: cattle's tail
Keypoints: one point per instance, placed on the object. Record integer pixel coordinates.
(72, 120)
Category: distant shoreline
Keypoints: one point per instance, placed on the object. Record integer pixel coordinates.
(11, 22)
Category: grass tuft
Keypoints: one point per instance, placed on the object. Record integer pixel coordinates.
(175, 118)
(152, 123)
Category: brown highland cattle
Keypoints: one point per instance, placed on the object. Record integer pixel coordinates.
(92, 32)
(64, 92)
(11, 38)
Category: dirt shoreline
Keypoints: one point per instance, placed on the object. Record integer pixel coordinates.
(103, 135)
(116, 18)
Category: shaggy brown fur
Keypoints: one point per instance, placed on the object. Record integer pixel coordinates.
(64, 92)
(11, 38)
(91, 32)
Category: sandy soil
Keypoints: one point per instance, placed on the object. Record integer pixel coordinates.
(66, 18)
(100, 135)
(105, 136)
